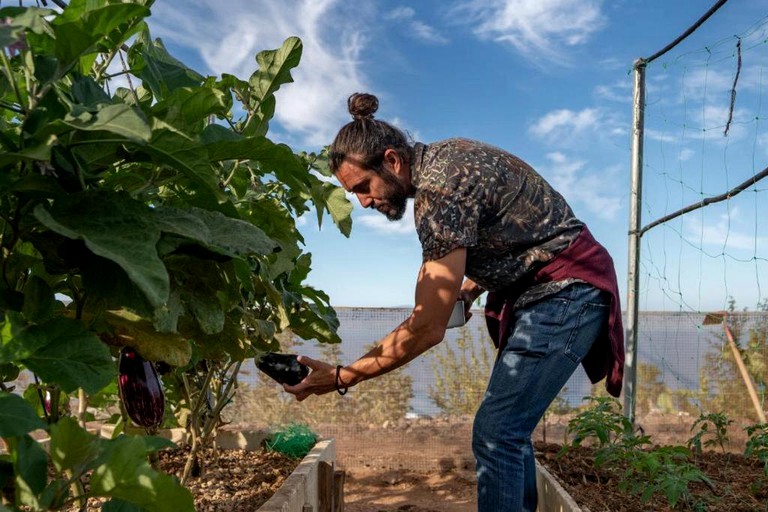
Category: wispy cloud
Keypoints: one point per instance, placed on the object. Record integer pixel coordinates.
(227, 40)
(415, 27)
(620, 92)
(379, 223)
(565, 127)
(593, 192)
(565, 120)
(539, 30)
(727, 233)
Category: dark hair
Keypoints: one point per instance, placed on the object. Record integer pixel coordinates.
(367, 138)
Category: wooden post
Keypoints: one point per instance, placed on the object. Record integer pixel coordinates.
(744, 373)
(325, 487)
(338, 490)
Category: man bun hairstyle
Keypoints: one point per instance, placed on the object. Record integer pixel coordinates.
(362, 105)
(365, 138)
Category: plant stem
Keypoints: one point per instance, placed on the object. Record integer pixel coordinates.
(78, 491)
(105, 65)
(232, 174)
(82, 404)
(9, 75)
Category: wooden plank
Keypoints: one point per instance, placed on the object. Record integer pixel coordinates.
(324, 487)
(338, 490)
(306, 508)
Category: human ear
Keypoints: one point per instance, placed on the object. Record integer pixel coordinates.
(392, 157)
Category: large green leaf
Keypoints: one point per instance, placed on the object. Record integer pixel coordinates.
(115, 227)
(62, 351)
(270, 156)
(187, 107)
(30, 462)
(274, 70)
(80, 28)
(72, 447)
(120, 119)
(140, 334)
(339, 207)
(17, 417)
(202, 289)
(179, 152)
(40, 152)
(124, 473)
(213, 231)
(160, 72)
(30, 18)
(275, 67)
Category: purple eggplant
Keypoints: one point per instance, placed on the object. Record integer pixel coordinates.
(140, 389)
(284, 368)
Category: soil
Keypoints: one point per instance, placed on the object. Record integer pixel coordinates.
(736, 484)
(234, 481)
(427, 466)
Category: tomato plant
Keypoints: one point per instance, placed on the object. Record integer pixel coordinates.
(158, 217)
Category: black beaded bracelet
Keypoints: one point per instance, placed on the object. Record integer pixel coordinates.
(342, 390)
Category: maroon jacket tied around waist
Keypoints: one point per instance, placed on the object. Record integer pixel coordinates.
(585, 259)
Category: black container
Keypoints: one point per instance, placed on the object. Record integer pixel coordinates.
(284, 368)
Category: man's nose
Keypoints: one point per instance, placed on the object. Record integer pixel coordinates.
(366, 201)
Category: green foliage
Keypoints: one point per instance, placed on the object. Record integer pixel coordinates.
(157, 217)
(461, 373)
(662, 470)
(712, 430)
(602, 422)
(117, 468)
(757, 443)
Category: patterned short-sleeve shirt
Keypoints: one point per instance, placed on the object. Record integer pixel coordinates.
(473, 195)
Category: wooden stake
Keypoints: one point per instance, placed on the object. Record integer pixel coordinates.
(743, 369)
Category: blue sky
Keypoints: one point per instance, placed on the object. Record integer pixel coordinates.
(548, 80)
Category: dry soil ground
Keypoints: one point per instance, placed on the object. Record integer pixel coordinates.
(427, 466)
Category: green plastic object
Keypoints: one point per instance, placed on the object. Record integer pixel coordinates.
(294, 440)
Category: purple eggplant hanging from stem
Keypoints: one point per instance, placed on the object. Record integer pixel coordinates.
(140, 389)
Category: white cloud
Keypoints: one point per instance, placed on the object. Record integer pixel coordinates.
(686, 154)
(379, 223)
(660, 136)
(593, 192)
(619, 92)
(415, 27)
(723, 234)
(227, 40)
(537, 29)
(762, 142)
(559, 122)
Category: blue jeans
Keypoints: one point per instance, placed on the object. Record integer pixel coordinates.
(548, 341)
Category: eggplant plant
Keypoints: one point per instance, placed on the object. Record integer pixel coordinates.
(158, 217)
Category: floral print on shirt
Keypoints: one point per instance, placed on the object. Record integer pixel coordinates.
(474, 195)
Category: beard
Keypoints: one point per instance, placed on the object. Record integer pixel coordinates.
(396, 198)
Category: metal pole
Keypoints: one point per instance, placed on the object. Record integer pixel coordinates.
(633, 276)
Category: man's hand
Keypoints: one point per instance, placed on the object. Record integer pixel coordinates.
(321, 380)
(469, 293)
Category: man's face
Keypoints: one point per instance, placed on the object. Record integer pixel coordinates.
(384, 192)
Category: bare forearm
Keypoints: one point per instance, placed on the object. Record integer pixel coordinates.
(396, 349)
